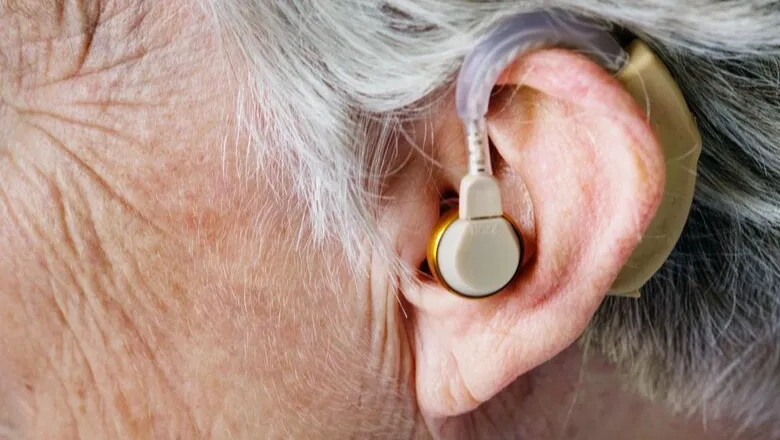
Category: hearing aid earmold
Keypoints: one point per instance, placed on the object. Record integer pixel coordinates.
(478, 252)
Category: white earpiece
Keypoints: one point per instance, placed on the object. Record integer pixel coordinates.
(477, 252)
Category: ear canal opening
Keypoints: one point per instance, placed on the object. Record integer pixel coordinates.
(448, 201)
(495, 156)
(425, 269)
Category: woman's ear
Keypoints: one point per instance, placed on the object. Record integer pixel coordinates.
(582, 174)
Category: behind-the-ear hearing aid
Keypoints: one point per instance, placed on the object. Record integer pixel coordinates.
(476, 251)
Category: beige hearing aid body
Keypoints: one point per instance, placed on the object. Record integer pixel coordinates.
(646, 78)
(478, 252)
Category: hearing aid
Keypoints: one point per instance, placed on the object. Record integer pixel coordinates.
(477, 250)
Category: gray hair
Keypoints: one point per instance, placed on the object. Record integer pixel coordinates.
(331, 83)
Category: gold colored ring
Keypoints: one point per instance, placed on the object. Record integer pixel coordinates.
(433, 251)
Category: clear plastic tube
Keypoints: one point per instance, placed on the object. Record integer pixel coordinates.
(509, 40)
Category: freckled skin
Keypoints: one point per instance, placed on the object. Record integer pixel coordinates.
(152, 288)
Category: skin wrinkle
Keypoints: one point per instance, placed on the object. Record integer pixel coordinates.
(86, 284)
(138, 48)
(62, 318)
(70, 243)
(391, 363)
(96, 177)
(87, 125)
(80, 17)
(88, 29)
(83, 73)
(111, 132)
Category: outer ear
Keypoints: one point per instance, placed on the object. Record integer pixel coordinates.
(593, 176)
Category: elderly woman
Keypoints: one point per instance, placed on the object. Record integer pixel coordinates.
(214, 217)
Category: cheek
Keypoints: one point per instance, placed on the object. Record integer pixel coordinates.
(312, 335)
(290, 301)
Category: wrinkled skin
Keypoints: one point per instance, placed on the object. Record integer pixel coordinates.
(151, 286)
